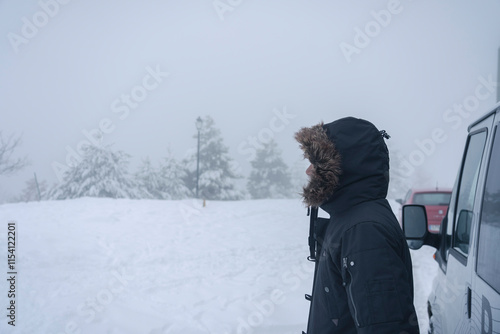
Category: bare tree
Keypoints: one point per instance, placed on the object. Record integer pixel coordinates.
(32, 191)
(8, 164)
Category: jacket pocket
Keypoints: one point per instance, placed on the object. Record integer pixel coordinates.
(371, 288)
(383, 301)
(326, 290)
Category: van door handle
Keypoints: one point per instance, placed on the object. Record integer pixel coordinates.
(469, 302)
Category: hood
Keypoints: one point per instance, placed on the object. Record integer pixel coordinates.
(351, 163)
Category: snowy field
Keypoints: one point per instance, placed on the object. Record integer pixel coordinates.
(145, 266)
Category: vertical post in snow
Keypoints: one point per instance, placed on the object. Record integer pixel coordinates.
(199, 124)
(198, 166)
(37, 188)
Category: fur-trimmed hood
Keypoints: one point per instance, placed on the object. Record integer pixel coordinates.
(325, 158)
(351, 163)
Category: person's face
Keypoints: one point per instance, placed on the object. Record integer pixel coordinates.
(309, 170)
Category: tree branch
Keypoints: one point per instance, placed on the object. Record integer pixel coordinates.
(8, 164)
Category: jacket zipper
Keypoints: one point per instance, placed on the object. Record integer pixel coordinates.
(349, 290)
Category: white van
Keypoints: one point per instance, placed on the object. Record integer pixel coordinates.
(466, 293)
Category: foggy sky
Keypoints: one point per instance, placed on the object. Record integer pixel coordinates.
(69, 67)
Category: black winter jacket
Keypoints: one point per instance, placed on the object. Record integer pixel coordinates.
(364, 280)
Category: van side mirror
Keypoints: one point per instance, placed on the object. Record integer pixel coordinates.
(414, 221)
(415, 227)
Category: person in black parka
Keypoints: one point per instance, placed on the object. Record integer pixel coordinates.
(364, 281)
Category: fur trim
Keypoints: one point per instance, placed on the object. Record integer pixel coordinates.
(325, 158)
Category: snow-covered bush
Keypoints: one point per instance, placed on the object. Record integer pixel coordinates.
(100, 173)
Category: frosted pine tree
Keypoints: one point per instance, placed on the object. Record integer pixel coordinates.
(270, 177)
(217, 176)
(150, 181)
(173, 176)
(100, 173)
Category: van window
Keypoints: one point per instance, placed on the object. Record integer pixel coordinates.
(488, 266)
(467, 192)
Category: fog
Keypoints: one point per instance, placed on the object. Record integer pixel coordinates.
(143, 71)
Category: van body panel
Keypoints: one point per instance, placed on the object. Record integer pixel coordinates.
(461, 300)
(486, 292)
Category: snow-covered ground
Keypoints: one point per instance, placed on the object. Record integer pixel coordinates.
(145, 266)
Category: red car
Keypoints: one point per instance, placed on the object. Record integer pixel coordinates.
(436, 203)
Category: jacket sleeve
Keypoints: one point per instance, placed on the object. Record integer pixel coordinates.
(377, 276)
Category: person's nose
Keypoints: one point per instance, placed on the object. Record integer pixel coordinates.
(309, 170)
